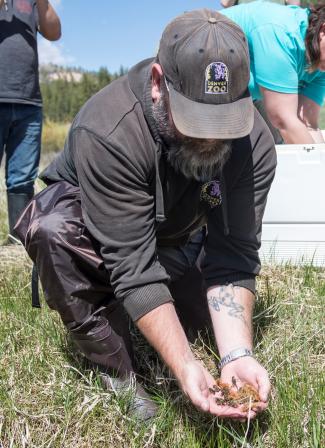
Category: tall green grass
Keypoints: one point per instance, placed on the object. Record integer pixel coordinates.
(49, 399)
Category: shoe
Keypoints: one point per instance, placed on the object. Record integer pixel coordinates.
(141, 407)
(17, 202)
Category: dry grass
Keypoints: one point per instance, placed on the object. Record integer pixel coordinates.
(49, 399)
(14, 255)
(53, 136)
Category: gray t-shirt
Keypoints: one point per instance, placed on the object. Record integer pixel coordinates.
(19, 81)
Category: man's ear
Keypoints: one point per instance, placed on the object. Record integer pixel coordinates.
(156, 80)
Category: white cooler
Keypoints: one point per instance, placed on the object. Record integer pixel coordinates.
(294, 220)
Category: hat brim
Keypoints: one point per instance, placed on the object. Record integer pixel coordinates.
(218, 121)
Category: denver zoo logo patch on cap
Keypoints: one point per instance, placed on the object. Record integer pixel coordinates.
(216, 78)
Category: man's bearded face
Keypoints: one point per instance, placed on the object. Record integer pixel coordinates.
(199, 159)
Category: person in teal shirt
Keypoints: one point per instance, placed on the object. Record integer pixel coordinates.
(287, 57)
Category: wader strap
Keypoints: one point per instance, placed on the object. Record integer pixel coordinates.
(35, 292)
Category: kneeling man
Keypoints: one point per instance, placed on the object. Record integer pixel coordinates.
(161, 163)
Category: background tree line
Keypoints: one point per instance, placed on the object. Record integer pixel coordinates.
(65, 90)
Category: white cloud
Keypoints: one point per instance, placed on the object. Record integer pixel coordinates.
(53, 53)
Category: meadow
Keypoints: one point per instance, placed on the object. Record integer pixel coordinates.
(48, 398)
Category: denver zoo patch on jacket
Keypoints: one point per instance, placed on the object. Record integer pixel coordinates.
(211, 193)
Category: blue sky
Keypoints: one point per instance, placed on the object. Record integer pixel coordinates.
(111, 33)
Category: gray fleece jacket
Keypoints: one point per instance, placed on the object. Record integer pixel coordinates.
(133, 201)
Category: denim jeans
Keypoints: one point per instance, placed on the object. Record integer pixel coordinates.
(20, 140)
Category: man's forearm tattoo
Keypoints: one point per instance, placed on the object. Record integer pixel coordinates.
(226, 298)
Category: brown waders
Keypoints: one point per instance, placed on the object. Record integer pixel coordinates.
(76, 282)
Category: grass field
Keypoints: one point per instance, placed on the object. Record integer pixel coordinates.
(48, 399)
(53, 136)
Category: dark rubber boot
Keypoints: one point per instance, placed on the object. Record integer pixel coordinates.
(109, 354)
(101, 345)
(16, 204)
(141, 405)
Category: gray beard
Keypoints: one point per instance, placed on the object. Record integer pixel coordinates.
(201, 166)
(199, 159)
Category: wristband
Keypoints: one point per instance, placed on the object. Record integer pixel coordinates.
(234, 354)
